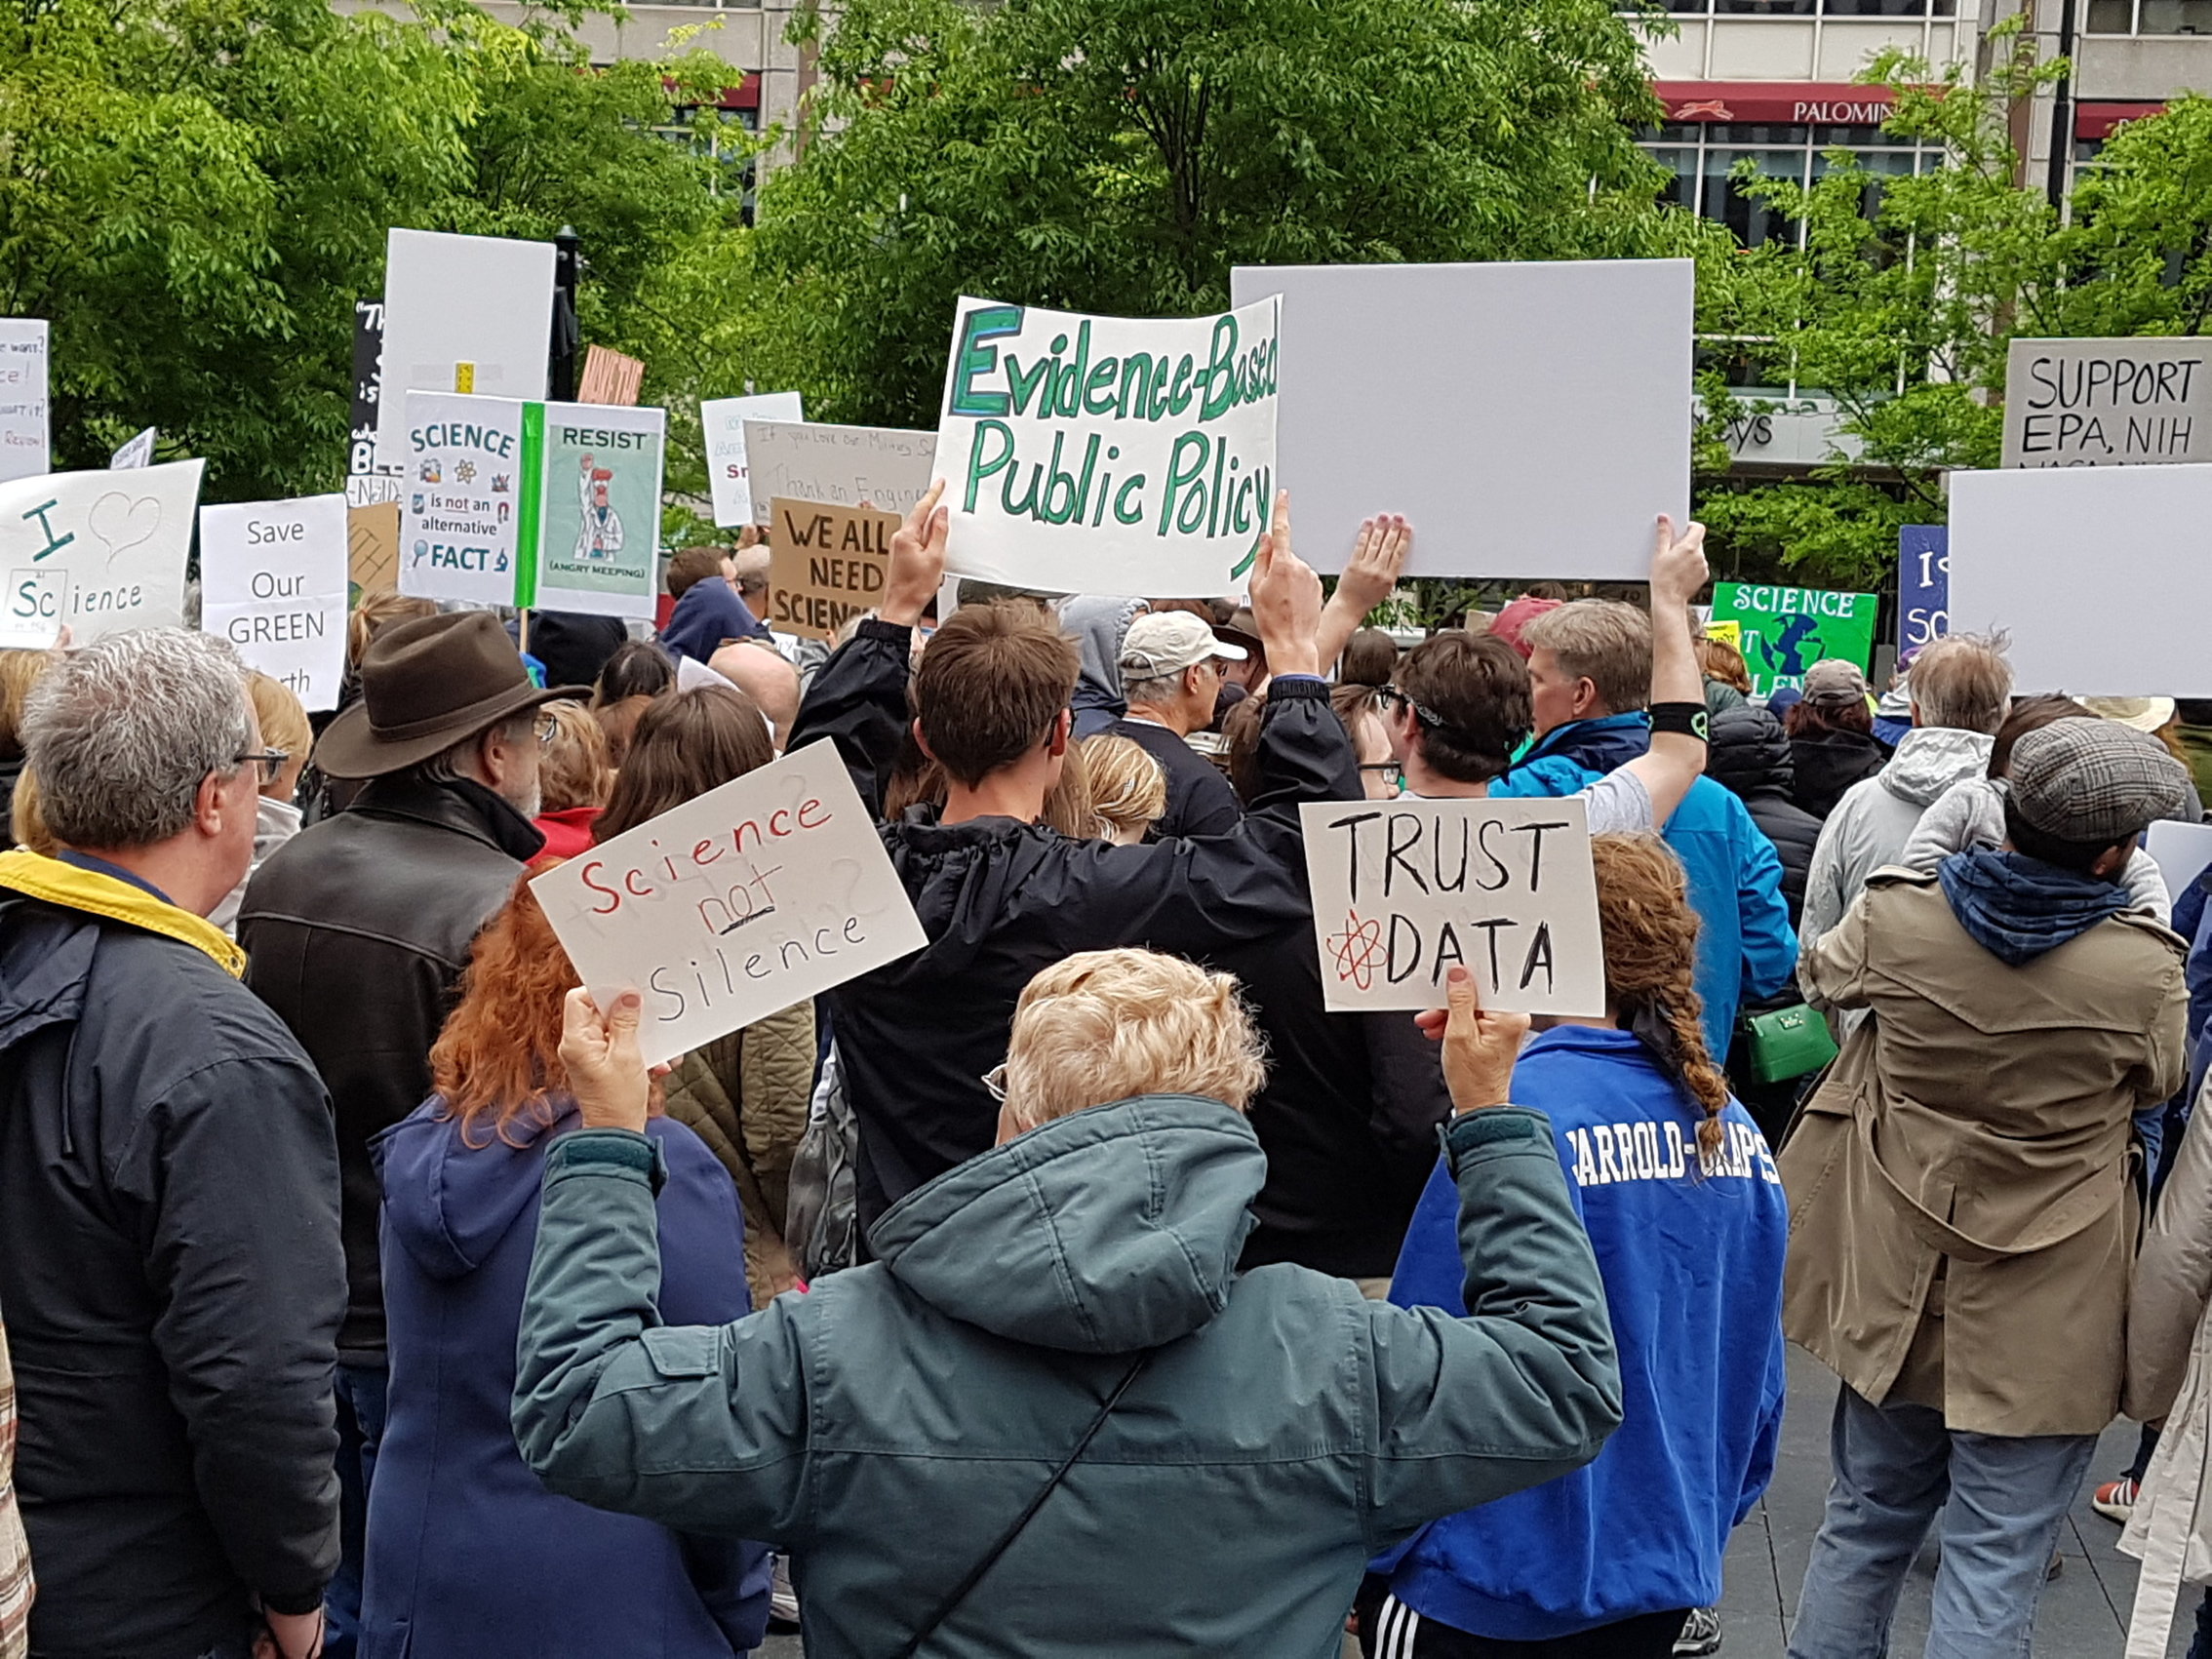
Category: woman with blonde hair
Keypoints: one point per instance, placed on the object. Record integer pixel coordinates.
(575, 774)
(1129, 792)
(1687, 1216)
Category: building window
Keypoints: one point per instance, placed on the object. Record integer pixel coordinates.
(2151, 17)
(1839, 8)
(1703, 156)
(738, 172)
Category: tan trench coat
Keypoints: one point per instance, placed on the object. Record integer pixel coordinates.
(1962, 1206)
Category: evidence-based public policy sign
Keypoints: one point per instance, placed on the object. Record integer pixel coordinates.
(1786, 630)
(101, 551)
(553, 504)
(764, 892)
(273, 583)
(1107, 454)
(2136, 402)
(1405, 890)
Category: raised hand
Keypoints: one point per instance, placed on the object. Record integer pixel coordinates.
(1480, 1047)
(917, 560)
(1677, 564)
(607, 1071)
(1378, 559)
(1287, 599)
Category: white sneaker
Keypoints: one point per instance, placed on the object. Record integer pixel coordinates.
(1701, 1635)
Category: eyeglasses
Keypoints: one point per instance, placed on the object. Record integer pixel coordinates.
(995, 1081)
(268, 762)
(548, 727)
(1398, 701)
(1390, 772)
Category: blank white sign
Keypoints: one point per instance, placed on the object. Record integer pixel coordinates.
(2101, 576)
(483, 302)
(1530, 419)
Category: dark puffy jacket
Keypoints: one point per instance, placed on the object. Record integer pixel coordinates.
(1751, 755)
(357, 929)
(169, 1263)
(1000, 900)
(1827, 763)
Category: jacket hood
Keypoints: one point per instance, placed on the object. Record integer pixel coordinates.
(1599, 745)
(1749, 751)
(1098, 623)
(449, 1203)
(707, 613)
(1107, 1231)
(92, 893)
(1933, 757)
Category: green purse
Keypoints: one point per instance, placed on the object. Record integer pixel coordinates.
(1786, 1043)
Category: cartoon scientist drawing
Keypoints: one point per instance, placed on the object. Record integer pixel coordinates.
(600, 534)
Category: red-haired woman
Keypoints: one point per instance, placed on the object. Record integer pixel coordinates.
(467, 1552)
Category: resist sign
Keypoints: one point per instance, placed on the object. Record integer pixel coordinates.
(756, 896)
(1406, 891)
(273, 583)
(827, 563)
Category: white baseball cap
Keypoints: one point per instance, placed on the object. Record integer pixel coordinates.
(1168, 642)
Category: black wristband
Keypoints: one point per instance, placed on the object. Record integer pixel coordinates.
(1689, 719)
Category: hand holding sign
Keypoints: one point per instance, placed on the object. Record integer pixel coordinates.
(607, 1074)
(1677, 564)
(917, 560)
(1480, 1047)
(1287, 599)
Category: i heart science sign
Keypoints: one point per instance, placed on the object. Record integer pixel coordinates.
(98, 551)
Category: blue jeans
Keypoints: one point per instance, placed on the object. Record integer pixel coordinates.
(360, 1425)
(1896, 1468)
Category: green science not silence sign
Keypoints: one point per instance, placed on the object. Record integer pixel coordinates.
(1786, 630)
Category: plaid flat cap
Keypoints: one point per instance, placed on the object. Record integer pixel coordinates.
(2094, 783)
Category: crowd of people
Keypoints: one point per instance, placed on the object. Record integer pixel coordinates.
(1079, 1282)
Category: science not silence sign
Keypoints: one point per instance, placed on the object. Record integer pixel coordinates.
(1786, 630)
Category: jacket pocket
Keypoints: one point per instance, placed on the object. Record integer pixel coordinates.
(685, 1350)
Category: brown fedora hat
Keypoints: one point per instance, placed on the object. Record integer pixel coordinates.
(426, 684)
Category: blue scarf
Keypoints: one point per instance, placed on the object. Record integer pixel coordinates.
(2016, 907)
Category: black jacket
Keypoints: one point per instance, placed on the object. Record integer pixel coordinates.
(1000, 900)
(1751, 755)
(1200, 801)
(173, 1281)
(1829, 763)
(357, 929)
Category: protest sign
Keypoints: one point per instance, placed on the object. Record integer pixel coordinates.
(272, 582)
(371, 537)
(1729, 633)
(23, 398)
(2107, 402)
(1786, 630)
(610, 378)
(2101, 576)
(136, 453)
(826, 562)
(462, 314)
(1141, 450)
(692, 674)
(552, 504)
(100, 551)
(721, 423)
(2180, 851)
(1404, 890)
(1923, 586)
(884, 466)
(1526, 416)
(367, 480)
(754, 896)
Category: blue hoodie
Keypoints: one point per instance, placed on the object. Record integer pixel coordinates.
(467, 1552)
(1745, 944)
(709, 613)
(1692, 1267)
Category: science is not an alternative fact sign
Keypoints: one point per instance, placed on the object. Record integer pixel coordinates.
(1786, 630)
(1095, 453)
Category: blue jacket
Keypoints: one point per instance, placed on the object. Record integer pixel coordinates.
(452, 1502)
(1745, 944)
(1692, 1267)
(708, 613)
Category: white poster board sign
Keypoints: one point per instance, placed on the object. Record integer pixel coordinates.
(273, 583)
(23, 397)
(721, 423)
(1530, 419)
(459, 496)
(1405, 890)
(137, 451)
(100, 551)
(759, 894)
(2024, 542)
(884, 466)
(462, 314)
(2180, 851)
(1073, 446)
(2107, 402)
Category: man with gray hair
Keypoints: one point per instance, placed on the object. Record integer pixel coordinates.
(168, 1218)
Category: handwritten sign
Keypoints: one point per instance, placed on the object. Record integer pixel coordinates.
(371, 537)
(23, 398)
(137, 451)
(1072, 444)
(882, 466)
(2107, 402)
(462, 314)
(721, 422)
(1406, 891)
(759, 894)
(273, 583)
(1923, 586)
(101, 551)
(827, 563)
(1785, 630)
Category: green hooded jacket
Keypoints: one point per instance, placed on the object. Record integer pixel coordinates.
(886, 1426)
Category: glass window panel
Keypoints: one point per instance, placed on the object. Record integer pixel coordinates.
(1876, 8)
(1682, 162)
(1758, 132)
(1856, 138)
(2175, 17)
(1725, 199)
(2112, 17)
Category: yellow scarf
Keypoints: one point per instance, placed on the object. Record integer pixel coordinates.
(39, 877)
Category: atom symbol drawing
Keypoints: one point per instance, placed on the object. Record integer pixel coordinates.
(1358, 950)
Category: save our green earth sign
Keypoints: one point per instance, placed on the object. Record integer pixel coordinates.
(1786, 630)
(552, 504)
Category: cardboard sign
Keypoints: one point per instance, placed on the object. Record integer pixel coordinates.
(551, 504)
(23, 398)
(273, 583)
(827, 563)
(2107, 402)
(759, 894)
(372, 538)
(462, 313)
(721, 422)
(1786, 630)
(96, 551)
(1525, 416)
(137, 453)
(1075, 446)
(884, 466)
(610, 378)
(1923, 586)
(1405, 890)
